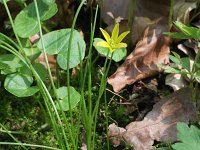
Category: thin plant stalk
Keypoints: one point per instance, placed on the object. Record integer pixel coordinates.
(17, 54)
(89, 124)
(105, 100)
(10, 40)
(101, 91)
(29, 145)
(49, 71)
(89, 62)
(87, 118)
(14, 51)
(52, 117)
(12, 24)
(10, 134)
(106, 116)
(68, 72)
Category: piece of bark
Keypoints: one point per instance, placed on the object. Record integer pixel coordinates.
(159, 124)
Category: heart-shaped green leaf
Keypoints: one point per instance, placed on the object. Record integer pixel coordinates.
(26, 23)
(32, 53)
(41, 70)
(20, 85)
(57, 42)
(9, 63)
(118, 54)
(62, 93)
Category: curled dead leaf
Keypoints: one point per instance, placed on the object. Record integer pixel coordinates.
(159, 124)
(151, 50)
(149, 16)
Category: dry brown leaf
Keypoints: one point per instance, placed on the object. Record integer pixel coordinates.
(151, 20)
(159, 124)
(153, 49)
(150, 16)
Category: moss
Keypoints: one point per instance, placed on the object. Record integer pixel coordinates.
(25, 118)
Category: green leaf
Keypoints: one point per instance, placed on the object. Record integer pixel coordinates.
(25, 71)
(163, 148)
(1, 1)
(190, 31)
(41, 70)
(186, 32)
(20, 2)
(189, 137)
(26, 23)
(175, 59)
(19, 85)
(197, 65)
(185, 63)
(197, 75)
(169, 69)
(32, 53)
(118, 54)
(62, 93)
(177, 35)
(9, 63)
(176, 55)
(57, 42)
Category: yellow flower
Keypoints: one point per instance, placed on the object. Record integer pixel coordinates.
(113, 42)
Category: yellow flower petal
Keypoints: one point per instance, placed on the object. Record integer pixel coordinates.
(103, 44)
(121, 45)
(115, 32)
(122, 36)
(105, 34)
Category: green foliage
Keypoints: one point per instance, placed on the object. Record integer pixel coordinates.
(186, 32)
(1, 1)
(62, 93)
(118, 54)
(9, 63)
(183, 65)
(26, 23)
(41, 70)
(189, 137)
(25, 77)
(20, 85)
(163, 148)
(56, 42)
(19, 78)
(32, 53)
